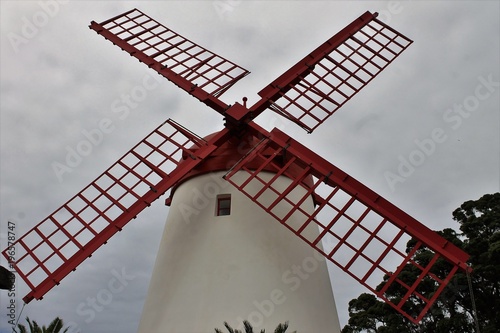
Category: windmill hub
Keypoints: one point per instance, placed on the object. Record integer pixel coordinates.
(233, 150)
(237, 116)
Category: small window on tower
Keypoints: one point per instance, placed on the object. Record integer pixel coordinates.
(223, 205)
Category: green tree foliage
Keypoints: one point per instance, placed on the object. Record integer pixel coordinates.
(480, 224)
(453, 312)
(55, 326)
(249, 329)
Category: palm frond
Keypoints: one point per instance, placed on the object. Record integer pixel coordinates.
(249, 329)
(230, 330)
(55, 326)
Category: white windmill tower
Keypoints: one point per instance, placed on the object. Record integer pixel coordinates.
(223, 258)
(253, 213)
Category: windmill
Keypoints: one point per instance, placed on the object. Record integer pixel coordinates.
(217, 182)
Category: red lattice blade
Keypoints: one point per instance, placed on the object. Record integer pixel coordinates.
(352, 226)
(58, 244)
(201, 73)
(318, 85)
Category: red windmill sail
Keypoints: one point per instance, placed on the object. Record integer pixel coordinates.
(319, 84)
(361, 232)
(201, 73)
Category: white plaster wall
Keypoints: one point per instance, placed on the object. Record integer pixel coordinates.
(245, 266)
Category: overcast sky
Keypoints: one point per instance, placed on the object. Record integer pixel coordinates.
(59, 78)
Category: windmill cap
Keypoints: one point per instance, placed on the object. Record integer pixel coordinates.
(229, 153)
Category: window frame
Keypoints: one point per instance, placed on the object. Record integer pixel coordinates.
(221, 199)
